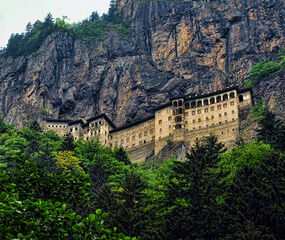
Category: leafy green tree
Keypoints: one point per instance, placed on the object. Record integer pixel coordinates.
(49, 220)
(253, 195)
(67, 161)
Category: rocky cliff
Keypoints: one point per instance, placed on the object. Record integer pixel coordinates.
(173, 48)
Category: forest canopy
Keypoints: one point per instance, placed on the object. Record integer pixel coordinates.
(97, 192)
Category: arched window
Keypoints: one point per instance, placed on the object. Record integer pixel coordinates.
(180, 111)
(178, 126)
(240, 98)
(175, 103)
(193, 104)
(180, 103)
(206, 102)
(174, 111)
(219, 98)
(178, 119)
(212, 100)
(187, 105)
(199, 103)
(232, 95)
(225, 97)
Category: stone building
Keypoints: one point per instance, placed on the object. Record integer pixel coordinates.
(182, 119)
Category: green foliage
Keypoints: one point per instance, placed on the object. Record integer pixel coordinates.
(122, 156)
(68, 143)
(93, 27)
(49, 220)
(67, 161)
(263, 70)
(271, 130)
(258, 111)
(169, 142)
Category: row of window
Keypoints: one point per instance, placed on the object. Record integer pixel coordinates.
(205, 102)
(57, 126)
(133, 145)
(96, 124)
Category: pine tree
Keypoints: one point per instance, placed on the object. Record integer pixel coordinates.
(122, 156)
(68, 143)
(192, 191)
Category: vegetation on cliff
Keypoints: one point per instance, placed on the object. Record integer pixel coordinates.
(262, 70)
(93, 27)
(54, 188)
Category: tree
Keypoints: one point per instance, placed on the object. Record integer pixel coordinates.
(122, 156)
(67, 161)
(68, 143)
(191, 207)
(271, 130)
(35, 126)
(94, 16)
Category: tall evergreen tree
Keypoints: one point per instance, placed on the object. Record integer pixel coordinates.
(191, 193)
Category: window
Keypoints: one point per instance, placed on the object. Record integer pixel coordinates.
(222, 132)
(200, 127)
(233, 111)
(193, 112)
(225, 105)
(144, 125)
(169, 126)
(158, 113)
(206, 109)
(193, 104)
(160, 129)
(180, 103)
(128, 139)
(232, 95)
(199, 104)
(212, 108)
(169, 118)
(207, 125)
(193, 120)
(212, 100)
(220, 123)
(144, 141)
(145, 133)
(151, 131)
(186, 122)
(122, 141)
(225, 97)
(226, 121)
(199, 119)
(233, 119)
(186, 113)
(232, 103)
(193, 128)
(213, 124)
(140, 135)
(219, 106)
(178, 119)
(152, 138)
(206, 102)
(175, 103)
(220, 115)
(207, 118)
(159, 137)
(233, 129)
(219, 99)
(240, 98)
(48, 125)
(199, 111)
(100, 122)
(225, 114)
(178, 126)
(140, 142)
(212, 117)
(160, 122)
(133, 138)
(180, 110)
(134, 145)
(187, 105)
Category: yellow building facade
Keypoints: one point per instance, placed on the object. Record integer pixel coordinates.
(184, 118)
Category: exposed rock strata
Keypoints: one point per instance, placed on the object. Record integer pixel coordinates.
(172, 49)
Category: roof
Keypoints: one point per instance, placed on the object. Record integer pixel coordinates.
(76, 122)
(102, 116)
(58, 120)
(132, 124)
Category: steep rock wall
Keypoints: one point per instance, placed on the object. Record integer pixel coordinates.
(173, 48)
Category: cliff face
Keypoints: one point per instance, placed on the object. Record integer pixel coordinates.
(173, 48)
